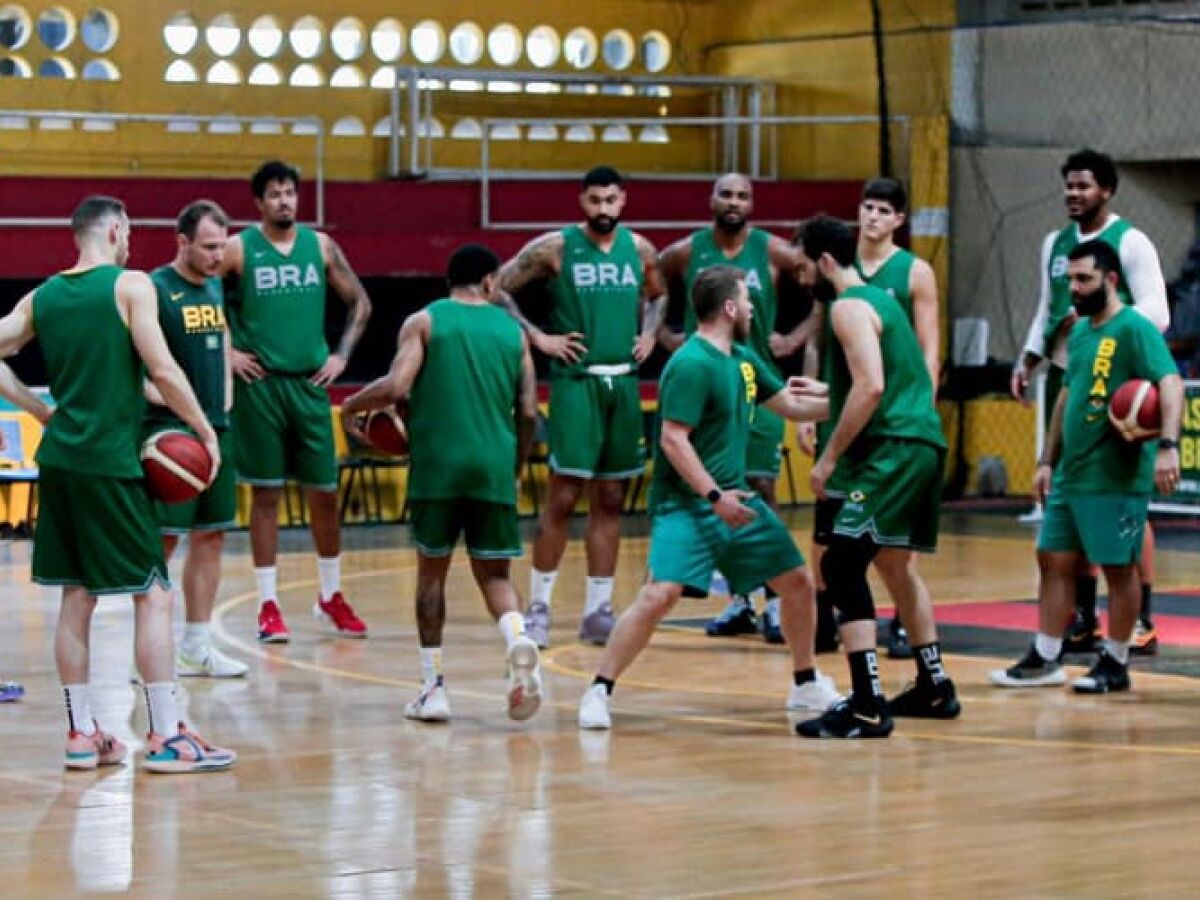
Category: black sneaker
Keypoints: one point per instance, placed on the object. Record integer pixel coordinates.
(771, 631)
(737, 618)
(1083, 636)
(1105, 677)
(1031, 671)
(898, 646)
(926, 702)
(844, 721)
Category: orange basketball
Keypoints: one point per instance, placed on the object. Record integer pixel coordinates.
(386, 431)
(176, 465)
(1134, 410)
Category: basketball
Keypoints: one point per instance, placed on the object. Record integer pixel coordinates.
(386, 431)
(176, 465)
(1134, 410)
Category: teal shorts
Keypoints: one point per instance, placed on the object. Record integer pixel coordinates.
(688, 542)
(764, 450)
(490, 529)
(1106, 528)
(283, 429)
(595, 429)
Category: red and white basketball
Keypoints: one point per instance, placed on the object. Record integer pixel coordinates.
(1134, 410)
(386, 431)
(176, 465)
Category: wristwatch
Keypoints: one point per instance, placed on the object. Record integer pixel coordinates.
(1168, 444)
(713, 496)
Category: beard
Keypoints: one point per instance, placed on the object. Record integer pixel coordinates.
(741, 330)
(284, 220)
(1091, 303)
(730, 223)
(603, 224)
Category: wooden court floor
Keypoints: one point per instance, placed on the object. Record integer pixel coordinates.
(701, 790)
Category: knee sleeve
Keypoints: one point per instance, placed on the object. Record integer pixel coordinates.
(844, 568)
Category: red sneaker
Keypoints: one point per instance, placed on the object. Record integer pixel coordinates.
(271, 627)
(338, 613)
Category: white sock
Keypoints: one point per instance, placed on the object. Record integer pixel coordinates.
(512, 626)
(329, 571)
(1118, 650)
(1048, 647)
(599, 592)
(431, 665)
(541, 586)
(195, 638)
(79, 710)
(160, 707)
(267, 589)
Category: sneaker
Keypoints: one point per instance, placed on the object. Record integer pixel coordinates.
(1106, 676)
(271, 627)
(524, 679)
(537, 624)
(813, 696)
(1030, 671)
(597, 625)
(1083, 636)
(919, 701)
(11, 692)
(844, 721)
(184, 752)
(771, 631)
(897, 643)
(340, 614)
(737, 618)
(593, 709)
(208, 663)
(431, 705)
(87, 751)
(1145, 639)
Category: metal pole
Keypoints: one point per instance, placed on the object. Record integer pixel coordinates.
(754, 111)
(414, 113)
(320, 173)
(485, 188)
(394, 125)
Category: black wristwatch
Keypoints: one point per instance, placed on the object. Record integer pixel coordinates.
(1168, 444)
(713, 496)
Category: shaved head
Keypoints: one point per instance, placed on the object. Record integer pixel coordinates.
(732, 202)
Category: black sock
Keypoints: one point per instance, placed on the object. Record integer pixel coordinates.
(866, 691)
(609, 683)
(803, 676)
(930, 671)
(1147, 590)
(1085, 597)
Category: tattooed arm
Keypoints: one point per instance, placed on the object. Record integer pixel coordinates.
(654, 300)
(540, 258)
(350, 289)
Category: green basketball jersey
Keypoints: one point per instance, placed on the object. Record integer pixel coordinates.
(754, 259)
(462, 426)
(1095, 459)
(599, 295)
(715, 393)
(95, 375)
(279, 314)
(1060, 286)
(192, 317)
(894, 277)
(906, 409)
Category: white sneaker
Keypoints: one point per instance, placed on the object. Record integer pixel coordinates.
(211, 663)
(524, 679)
(593, 708)
(431, 705)
(815, 696)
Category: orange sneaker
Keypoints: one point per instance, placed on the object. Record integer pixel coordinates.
(271, 627)
(184, 752)
(87, 751)
(340, 614)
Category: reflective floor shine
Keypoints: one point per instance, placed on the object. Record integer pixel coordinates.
(701, 790)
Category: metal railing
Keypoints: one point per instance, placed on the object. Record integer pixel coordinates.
(170, 118)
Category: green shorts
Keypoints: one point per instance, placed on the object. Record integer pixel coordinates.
(490, 529)
(1105, 528)
(216, 507)
(283, 429)
(764, 452)
(97, 532)
(596, 429)
(891, 493)
(688, 542)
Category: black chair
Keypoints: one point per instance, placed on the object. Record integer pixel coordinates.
(358, 480)
(539, 455)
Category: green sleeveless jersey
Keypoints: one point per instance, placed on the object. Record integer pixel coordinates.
(462, 427)
(280, 311)
(192, 317)
(755, 260)
(95, 375)
(906, 409)
(1060, 286)
(599, 295)
(894, 277)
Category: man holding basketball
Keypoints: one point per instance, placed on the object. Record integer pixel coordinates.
(1094, 484)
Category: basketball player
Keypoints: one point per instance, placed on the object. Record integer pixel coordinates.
(191, 311)
(1094, 485)
(465, 368)
(882, 264)
(281, 418)
(1089, 183)
(731, 240)
(703, 515)
(601, 275)
(883, 461)
(97, 325)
